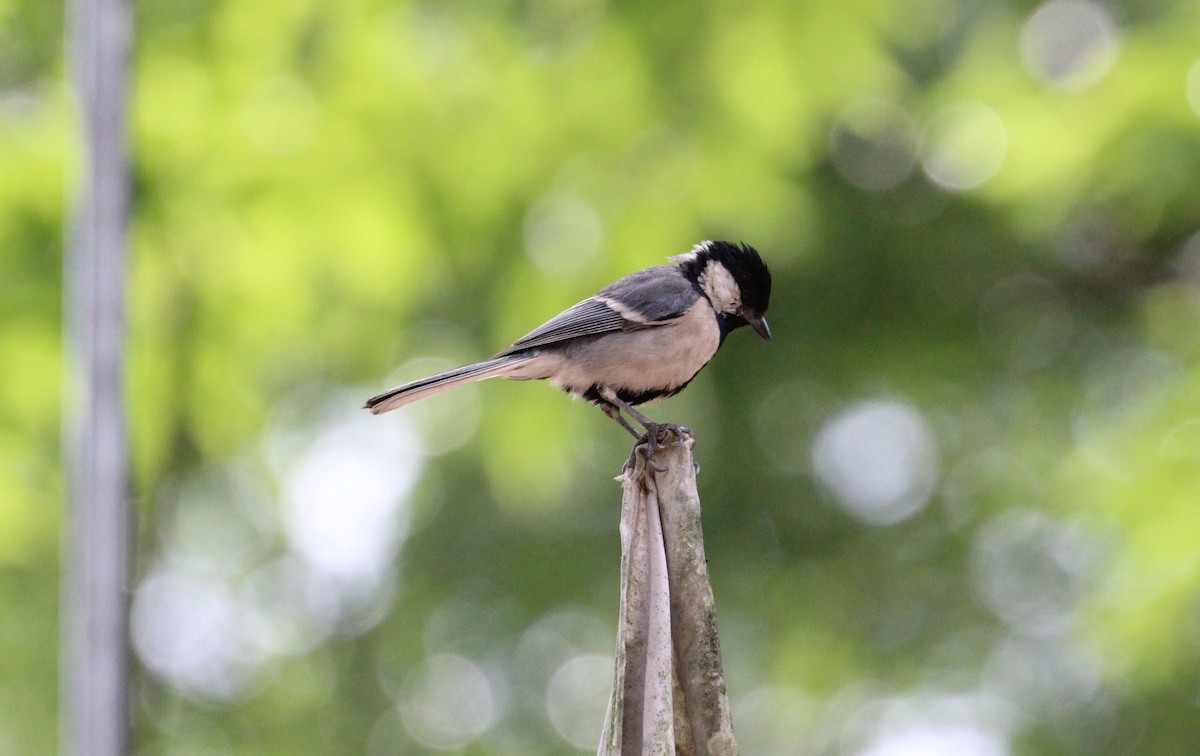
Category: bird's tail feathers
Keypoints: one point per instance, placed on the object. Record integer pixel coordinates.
(436, 384)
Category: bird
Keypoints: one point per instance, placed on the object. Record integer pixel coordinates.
(641, 338)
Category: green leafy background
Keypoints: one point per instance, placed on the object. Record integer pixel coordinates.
(954, 507)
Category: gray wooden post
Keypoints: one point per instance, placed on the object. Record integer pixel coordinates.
(668, 694)
(95, 656)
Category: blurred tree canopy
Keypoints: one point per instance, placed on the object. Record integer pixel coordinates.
(954, 508)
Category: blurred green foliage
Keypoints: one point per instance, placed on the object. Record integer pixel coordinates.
(955, 504)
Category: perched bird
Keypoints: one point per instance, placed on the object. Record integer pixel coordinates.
(644, 337)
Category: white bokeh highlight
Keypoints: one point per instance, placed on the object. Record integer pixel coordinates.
(1069, 45)
(447, 703)
(938, 740)
(343, 497)
(244, 579)
(288, 608)
(1192, 87)
(879, 459)
(928, 723)
(187, 631)
(1045, 676)
(1031, 570)
(577, 697)
(963, 146)
(873, 144)
(563, 234)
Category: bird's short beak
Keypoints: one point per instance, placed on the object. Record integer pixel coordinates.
(759, 324)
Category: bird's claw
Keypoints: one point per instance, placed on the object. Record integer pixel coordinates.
(650, 446)
(657, 436)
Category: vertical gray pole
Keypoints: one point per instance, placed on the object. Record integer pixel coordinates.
(95, 658)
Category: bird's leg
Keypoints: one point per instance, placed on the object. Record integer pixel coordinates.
(619, 405)
(653, 435)
(647, 423)
(650, 426)
(614, 412)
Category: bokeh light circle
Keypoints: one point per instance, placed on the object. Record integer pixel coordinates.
(1030, 570)
(187, 631)
(930, 722)
(576, 699)
(447, 703)
(563, 233)
(963, 146)
(1193, 87)
(938, 740)
(1069, 44)
(873, 144)
(345, 501)
(879, 459)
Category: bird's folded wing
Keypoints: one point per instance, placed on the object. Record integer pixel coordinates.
(588, 318)
(651, 297)
(634, 302)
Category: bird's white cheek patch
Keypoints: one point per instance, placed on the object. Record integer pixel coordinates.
(720, 287)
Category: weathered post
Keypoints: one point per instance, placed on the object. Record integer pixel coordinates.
(669, 688)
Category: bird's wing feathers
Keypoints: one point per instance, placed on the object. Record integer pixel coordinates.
(587, 318)
(661, 293)
(645, 299)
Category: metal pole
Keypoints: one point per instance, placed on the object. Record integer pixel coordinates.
(95, 659)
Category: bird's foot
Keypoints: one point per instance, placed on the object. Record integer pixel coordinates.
(657, 436)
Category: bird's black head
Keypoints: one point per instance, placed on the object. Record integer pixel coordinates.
(735, 280)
